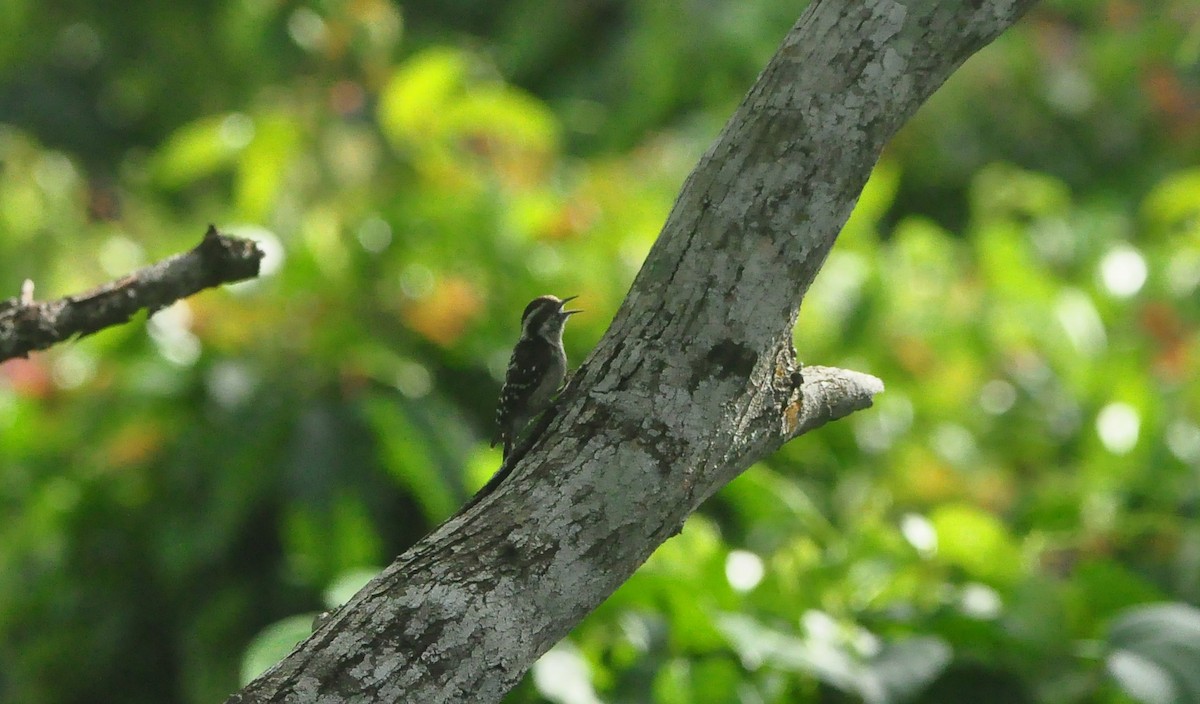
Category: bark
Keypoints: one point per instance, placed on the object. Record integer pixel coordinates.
(695, 380)
(27, 325)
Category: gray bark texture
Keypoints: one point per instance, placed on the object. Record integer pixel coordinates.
(695, 380)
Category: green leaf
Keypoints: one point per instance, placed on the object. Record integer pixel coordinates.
(273, 643)
(261, 171)
(201, 148)
(412, 103)
(977, 542)
(563, 675)
(876, 199)
(1005, 191)
(507, 114)
(1105, 587)
(1175, 200)
(1154, 653)
(433, 100)
(408, 456)
(346, 585)
(895, 672)
(715, 680)
(684, 681)
(481, 466)
(903, 669)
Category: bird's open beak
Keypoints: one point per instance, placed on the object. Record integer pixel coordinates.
(564, 302)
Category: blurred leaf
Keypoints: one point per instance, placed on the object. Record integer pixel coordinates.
(1004, 191)
(261, 169)
(901, 670)
(353, 538)
(697, 681)
(327, 540)
(1154, 653)
(480, 467)
(563, 676)
(757, 644)
(507, 114)
(1106, 586)
(695, 549)
(975, 541)
(896, 672)
(877, 197)
(273, 643)
(443, 315)
(1007, 261)
(435, 109)
(409, 457)
(346, 585)
(1175, 200)
(715, 680)
(773, 507)
(201, 148)
(1034, 614)
(412, 103)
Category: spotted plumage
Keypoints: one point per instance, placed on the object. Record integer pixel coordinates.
(535, 371)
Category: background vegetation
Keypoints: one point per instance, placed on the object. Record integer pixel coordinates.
(1015, 521)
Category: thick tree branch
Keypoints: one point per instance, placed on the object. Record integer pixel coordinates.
(27, 325)
(695, 380)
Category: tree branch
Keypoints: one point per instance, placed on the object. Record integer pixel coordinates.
(27, 325)
(695, 380)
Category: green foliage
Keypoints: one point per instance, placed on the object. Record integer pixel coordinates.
(273, 643)
(1015, 519)
(1153, 650)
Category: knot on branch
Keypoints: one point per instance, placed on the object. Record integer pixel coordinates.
(825, 394)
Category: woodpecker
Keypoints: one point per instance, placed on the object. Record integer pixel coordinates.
(535, 371)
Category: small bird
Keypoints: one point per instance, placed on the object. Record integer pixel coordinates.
(535, 371)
